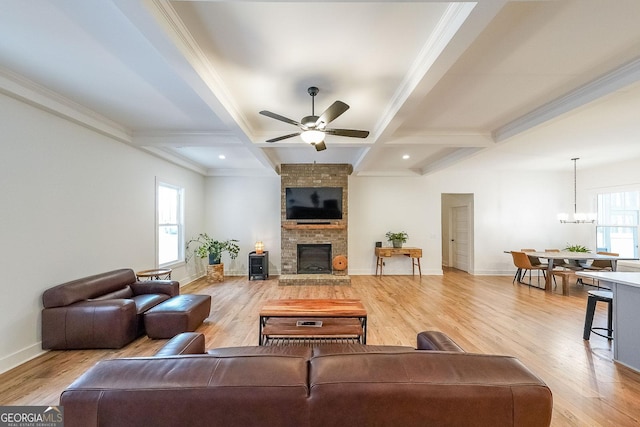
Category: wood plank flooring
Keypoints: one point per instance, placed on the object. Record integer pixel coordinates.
(485, 314)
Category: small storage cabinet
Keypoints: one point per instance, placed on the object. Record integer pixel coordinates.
(259, 265)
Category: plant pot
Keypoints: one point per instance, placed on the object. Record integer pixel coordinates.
(397, 243)
(214, 259)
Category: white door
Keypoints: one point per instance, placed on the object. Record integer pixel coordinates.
(460, 237)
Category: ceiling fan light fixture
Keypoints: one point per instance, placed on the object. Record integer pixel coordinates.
(312, 136)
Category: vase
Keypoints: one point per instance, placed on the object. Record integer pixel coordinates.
(397, 243)
(214, 259)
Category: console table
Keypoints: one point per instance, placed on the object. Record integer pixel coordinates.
(287, 320)
(414, 253)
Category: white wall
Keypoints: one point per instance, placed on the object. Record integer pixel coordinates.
(511, 211)
(378, 205)
(246, 209)
(73, 203)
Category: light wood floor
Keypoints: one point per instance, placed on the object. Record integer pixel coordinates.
(486, 314)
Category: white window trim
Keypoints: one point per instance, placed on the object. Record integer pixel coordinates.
(181, 225)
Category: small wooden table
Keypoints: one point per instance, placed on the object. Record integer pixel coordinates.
(341, 319)
(155, 274)
(414, 253)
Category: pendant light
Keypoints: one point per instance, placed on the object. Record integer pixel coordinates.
(578, 217)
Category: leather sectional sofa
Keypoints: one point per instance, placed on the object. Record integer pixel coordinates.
(436, 384)
(100, 311)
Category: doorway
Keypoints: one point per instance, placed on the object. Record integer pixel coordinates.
(457, 231)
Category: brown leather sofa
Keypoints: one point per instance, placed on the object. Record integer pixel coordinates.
(100, 311)
(328, 385)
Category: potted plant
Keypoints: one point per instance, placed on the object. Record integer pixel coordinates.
(205, 246)
(397, 238)
(575, 248)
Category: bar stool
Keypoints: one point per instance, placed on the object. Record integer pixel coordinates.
(594, 297)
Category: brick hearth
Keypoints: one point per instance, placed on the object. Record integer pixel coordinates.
(313, 279)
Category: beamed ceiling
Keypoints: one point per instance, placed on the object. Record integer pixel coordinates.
(507, 84)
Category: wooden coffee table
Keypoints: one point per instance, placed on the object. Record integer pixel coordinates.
(292, 320)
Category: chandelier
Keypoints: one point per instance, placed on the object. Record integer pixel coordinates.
(578, 217)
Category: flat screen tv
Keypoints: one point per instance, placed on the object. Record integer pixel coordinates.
(313, 203)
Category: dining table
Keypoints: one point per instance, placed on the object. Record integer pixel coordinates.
(580, 257)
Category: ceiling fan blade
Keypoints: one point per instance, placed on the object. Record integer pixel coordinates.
(280, 138)
(331, 113)
(279, 117)
(320, 146)
(348, 132)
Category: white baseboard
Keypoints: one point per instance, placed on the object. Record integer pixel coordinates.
(21, 356)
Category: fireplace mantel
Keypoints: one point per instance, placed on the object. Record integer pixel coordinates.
(314, 226)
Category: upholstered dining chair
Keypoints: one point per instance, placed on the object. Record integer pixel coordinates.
(523, 264)
(599, 265)
(534, 259)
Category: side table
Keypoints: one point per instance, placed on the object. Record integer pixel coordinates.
(154, 274)
(259, 265)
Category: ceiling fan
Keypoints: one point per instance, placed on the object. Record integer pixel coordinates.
(313, 128)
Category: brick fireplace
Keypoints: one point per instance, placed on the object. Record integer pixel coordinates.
(325, 233)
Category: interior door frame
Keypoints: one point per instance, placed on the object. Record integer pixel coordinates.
(449, 201)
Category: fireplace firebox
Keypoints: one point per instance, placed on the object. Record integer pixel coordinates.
(314, 259)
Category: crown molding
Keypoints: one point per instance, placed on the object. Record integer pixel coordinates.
(184, 139)
(198, 60)
(25, 90)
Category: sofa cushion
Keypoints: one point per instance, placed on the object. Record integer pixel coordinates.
(145, 302)
(328, 349)
(426, 388)
(123, 293)
(169, 287)
(274, 350)
(87, 288)
(190, 391)
(184, 343)
(436, 340)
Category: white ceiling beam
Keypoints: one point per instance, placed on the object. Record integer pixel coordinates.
(458, 29)
(606, 84)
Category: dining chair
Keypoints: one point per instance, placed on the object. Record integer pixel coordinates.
(522, 262)
(534, 259)
(599, 265)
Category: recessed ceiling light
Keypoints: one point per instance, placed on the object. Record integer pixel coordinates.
(406, 156)
(222, 157)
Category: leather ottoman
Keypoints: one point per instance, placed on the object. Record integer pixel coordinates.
(182, 313)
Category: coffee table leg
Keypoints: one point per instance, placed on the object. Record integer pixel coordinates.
(363, 322)
(262, 321)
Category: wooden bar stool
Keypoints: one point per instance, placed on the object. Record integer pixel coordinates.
(594, 297)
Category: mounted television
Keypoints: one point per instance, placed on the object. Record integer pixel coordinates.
(313, 203)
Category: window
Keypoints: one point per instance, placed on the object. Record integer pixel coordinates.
(617, 229)
(170, 239)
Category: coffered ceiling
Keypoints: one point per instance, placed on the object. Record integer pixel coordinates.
(526, 83)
